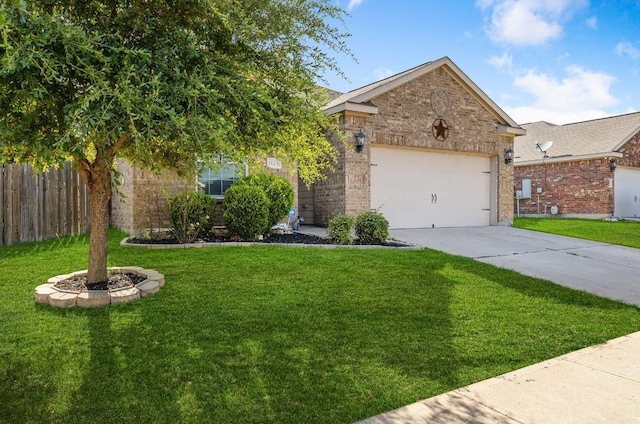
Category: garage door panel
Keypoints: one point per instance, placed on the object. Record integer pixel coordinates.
(418, 189)
(627, 192)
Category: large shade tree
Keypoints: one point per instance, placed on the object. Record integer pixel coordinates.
(161, 83)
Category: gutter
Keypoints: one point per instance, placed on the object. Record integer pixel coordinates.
(569, 158)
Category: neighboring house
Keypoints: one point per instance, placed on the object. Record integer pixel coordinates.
(591, 170)
(433, 153)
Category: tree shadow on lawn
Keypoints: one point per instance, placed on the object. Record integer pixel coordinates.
(368, 332)
(556, 319)
(287, 349)
(123, 380)
(221, 348)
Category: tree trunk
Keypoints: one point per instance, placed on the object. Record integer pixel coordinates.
(97, 177)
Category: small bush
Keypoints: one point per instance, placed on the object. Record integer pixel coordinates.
(279, 193)
(246, 211)
(339, 230)
(372, 228)
(191, 216)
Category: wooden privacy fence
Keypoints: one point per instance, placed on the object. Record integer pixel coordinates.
(36, 207)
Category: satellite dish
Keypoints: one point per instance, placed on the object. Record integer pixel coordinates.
(544, 146)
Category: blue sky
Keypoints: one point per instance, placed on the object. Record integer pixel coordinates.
(559, 61)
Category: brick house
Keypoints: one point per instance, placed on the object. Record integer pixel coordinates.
(592, 169)
(432, 155)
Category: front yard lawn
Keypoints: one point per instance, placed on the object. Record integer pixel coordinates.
(624, 233)
(277, 335)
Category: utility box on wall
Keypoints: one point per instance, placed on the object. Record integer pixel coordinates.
(526, 188)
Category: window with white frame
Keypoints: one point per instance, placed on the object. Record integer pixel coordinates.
(215, 180)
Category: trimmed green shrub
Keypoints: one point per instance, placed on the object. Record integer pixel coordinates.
(372, 228)
(191, 216)
(340, 228)
(245, 211)
(279, 193)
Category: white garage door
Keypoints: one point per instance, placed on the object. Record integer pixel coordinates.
(419, 189)
(627, 192)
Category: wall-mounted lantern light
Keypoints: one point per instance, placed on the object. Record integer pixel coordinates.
(359, 141)
(508, 156)
(613, 164)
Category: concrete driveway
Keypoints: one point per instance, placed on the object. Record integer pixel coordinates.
(599, 268)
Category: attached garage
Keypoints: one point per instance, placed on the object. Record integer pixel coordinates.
(416, 188)
(627, 192)
(425, 147)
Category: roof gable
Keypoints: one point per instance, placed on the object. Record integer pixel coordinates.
(580, 140)
(365, 94)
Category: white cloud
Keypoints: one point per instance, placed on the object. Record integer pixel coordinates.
(592, 22)
(353, 3)
(504, 62)
(579, 96)
(627, 48)
(381, 72)
(527, 22)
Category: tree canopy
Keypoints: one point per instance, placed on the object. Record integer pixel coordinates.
(163, 82)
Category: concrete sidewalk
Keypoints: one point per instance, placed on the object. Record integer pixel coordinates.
(599, 384)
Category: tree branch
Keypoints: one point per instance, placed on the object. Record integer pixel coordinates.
(120, 143)
(84, 169)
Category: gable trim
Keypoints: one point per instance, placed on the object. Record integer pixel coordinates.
(365, 94)
(370, 108)
(629, 137)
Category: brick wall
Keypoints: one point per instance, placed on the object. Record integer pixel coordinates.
(329, 194)
(631, 152)
(142, 202)
(582, 188)
(405, 118)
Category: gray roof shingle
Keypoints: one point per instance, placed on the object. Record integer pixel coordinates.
(588, 138)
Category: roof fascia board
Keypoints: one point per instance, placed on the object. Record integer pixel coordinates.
(353, 107)
(629, 137)
(480, 95)
(590, 156)
(453, 70)
(397, 82)
(509, 130)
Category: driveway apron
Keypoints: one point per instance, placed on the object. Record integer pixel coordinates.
(603, 269)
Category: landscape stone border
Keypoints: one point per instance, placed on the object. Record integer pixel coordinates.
(58, 298)
(201, 244)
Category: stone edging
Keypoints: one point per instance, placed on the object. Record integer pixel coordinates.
(125, 242)
(47, 293)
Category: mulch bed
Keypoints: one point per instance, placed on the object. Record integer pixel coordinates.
(293, 238)
(115, 281)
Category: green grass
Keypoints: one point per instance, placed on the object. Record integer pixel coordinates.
(625, 233)
(277, 335)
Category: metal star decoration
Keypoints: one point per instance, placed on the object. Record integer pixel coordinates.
(440, 129)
